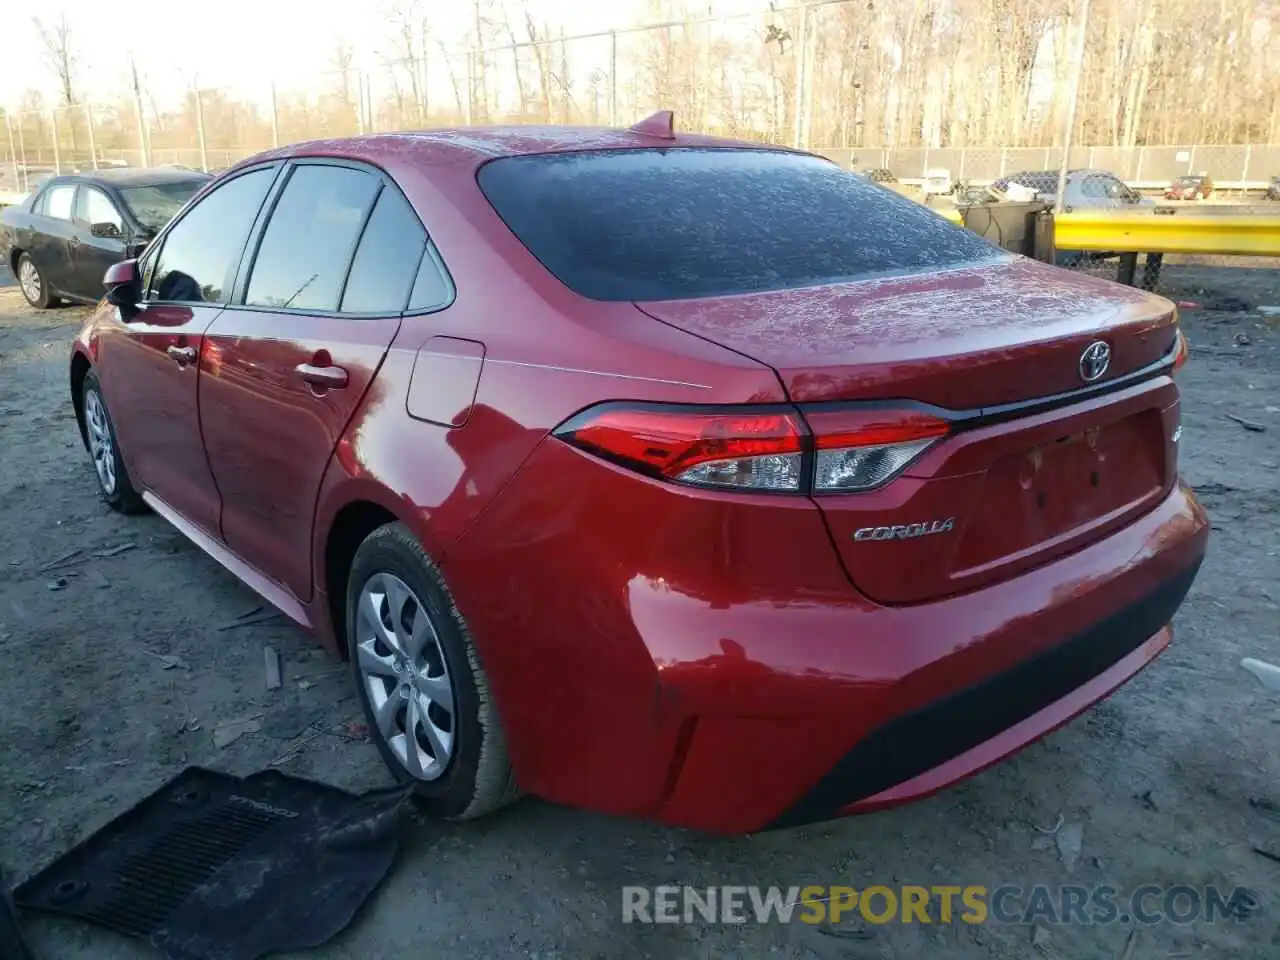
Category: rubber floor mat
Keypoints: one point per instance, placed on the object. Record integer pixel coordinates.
(216, 867)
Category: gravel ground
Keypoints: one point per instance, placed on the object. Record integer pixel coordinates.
(115, 674)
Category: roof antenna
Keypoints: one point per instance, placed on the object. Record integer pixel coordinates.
(661, 125)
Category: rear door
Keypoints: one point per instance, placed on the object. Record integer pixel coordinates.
(90, 255)
(51, 234)
(294, 356)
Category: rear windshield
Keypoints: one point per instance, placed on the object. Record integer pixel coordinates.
(681, 223)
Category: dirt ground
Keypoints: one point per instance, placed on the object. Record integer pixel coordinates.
(115, 673)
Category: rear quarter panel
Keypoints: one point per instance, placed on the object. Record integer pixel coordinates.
(13, 221)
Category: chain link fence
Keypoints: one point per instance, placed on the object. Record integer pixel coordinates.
(1156, 164)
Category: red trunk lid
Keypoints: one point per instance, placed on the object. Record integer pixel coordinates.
(960, 339)
(1018, 492)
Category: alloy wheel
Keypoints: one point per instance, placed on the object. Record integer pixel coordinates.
(102, 446)
(29, 280)
(405, 675)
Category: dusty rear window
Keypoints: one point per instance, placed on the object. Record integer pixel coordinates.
(684, 222)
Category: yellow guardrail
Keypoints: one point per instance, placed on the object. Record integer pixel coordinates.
(1245, 236)
(1138, 233)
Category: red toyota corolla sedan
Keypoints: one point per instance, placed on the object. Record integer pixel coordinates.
(657, 474)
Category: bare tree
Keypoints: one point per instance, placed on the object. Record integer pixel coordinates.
(59, 54)
(408, 22)
(878, 74)
(542, 58)
(515, 57)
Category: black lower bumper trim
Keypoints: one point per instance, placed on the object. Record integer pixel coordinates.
(914, 743)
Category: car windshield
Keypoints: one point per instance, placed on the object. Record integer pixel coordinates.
(685, 222)
(155, 204)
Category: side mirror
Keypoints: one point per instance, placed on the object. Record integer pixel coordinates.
(122, 283)
(106, 230)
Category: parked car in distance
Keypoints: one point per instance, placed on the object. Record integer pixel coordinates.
(1196, 187)
(621, 484)
(1086, 190)
(1273, 189)
(60, 240)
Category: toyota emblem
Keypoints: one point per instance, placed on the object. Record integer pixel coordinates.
(1094, 361)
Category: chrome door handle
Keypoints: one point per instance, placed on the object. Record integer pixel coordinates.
(327, 377)
(183, 355)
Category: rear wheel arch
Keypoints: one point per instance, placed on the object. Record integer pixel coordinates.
(350, 527)
(14, 256)
(80, 368)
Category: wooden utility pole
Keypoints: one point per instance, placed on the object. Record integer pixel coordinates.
(798, 100)
(142, 123)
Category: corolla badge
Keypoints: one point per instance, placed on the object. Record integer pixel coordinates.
(1094, 361)
(906, 531)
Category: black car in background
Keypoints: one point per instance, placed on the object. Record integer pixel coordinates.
(61, 239)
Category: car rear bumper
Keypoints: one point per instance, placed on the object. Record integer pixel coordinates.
(923, 696)
(915, 754)
(703, 661)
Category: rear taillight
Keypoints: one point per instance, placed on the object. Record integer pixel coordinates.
(861, 449)
(749, 449)
(767, 449)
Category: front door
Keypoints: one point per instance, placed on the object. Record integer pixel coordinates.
(149, 367)
(90, 255)
(295, 359)
(151, 361)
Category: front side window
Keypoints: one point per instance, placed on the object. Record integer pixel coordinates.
(59, 201)
(1115, 189)
(94, 206)
(307, 246)
(660, 224)
(198, 260)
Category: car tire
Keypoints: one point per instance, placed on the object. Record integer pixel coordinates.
(32, 284)
(403, 686)
(114, 484)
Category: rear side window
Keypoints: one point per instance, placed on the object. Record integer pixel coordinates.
(59, 200)
(1093, 187)
(387, 259)
(432, 289)
(307, 247)
(202, 250)
(682, 223)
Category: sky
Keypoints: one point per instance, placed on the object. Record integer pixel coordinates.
(244, 44)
